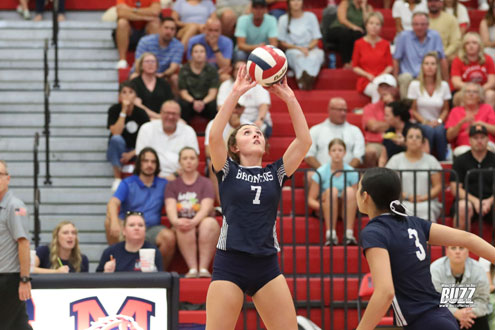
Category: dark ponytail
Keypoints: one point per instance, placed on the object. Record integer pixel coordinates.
(385, 189)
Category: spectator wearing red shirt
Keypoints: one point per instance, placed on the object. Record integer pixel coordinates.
(135, 18)
(374, 119)
(371, 57)
(472, 112)
(473, 65)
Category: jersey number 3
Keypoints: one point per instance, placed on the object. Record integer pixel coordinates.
(256, 199)
(413, 234)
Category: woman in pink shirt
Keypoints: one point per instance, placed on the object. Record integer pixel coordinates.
(473, 111)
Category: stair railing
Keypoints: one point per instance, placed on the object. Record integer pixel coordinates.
(46, 130)
(36, 197)
(55, 29)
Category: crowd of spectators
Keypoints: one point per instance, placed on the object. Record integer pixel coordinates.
(431, 89)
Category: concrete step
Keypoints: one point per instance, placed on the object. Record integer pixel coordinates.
(9, 119)
(63, 169)
(26, 131)
(93, 251)
(64, 34)
(88, 77)
(38, 63)
(83, 222)
(62, 182)
(46, 24)
(65, 85)
(56, 144)
(64, 54)
(89, 108)
(67, 210)
(36, 119)
(40, 43)
(27, 156)
(84, 97)
(65, 195)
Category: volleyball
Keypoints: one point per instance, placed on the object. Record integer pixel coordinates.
(267, 65)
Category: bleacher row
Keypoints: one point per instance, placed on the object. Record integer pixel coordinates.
(303, 257)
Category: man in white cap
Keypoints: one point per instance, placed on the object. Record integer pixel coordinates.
(374, 118)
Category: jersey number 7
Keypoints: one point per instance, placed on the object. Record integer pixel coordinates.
(256, 199)
(413, 234)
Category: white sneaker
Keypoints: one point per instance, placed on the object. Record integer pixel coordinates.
(122, 64)
(26, 15)
(116, 184)
(19, 10)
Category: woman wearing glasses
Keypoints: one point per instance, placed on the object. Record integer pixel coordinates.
(124, 256)
(246, 259)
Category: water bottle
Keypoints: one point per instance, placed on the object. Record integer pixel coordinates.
(332, 61)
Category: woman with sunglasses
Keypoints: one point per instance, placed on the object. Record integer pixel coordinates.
(246, 259)
(396, 248)
(124, 256)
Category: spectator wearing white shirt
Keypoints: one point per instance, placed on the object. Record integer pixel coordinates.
(402, 13)
(335, 126)
(256, 103)
(167, 136)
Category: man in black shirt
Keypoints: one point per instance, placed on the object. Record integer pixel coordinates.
(124, 121)
(479, 191)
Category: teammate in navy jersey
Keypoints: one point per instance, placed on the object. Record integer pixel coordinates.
(246, 260)
(395, 248)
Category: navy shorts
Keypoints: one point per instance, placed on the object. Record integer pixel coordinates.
(436, 319)
(250, 273)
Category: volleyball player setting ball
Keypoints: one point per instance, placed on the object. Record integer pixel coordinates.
(246, 259)
(395, 248)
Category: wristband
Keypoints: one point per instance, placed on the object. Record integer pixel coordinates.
(123, 115)
(25, 279)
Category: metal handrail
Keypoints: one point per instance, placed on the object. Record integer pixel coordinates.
(46, 130)
(36, 197)
(55, 29)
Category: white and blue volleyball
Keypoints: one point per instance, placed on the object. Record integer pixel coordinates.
(267, 65)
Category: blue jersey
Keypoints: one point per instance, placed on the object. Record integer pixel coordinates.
(249, 197)
(405, 239)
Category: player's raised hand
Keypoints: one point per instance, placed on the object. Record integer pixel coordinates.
(243, 82)
(282, 90)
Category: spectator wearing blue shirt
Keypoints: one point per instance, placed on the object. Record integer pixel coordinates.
(320, 189)
(124, 256)
(63, 254)
(411, 47)
(143, 192)
(219, 48)
(167, 49)
(255, 30)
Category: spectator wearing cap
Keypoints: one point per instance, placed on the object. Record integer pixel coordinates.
(255, 30)
(430, 107)
(167, 49)
(135, 18)
(446, 25)
(371, 57)
(472, 111)
(335, 126)
(219, 48)
(478, 157)
(124, 121)
(410, 49)
(374, 119)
